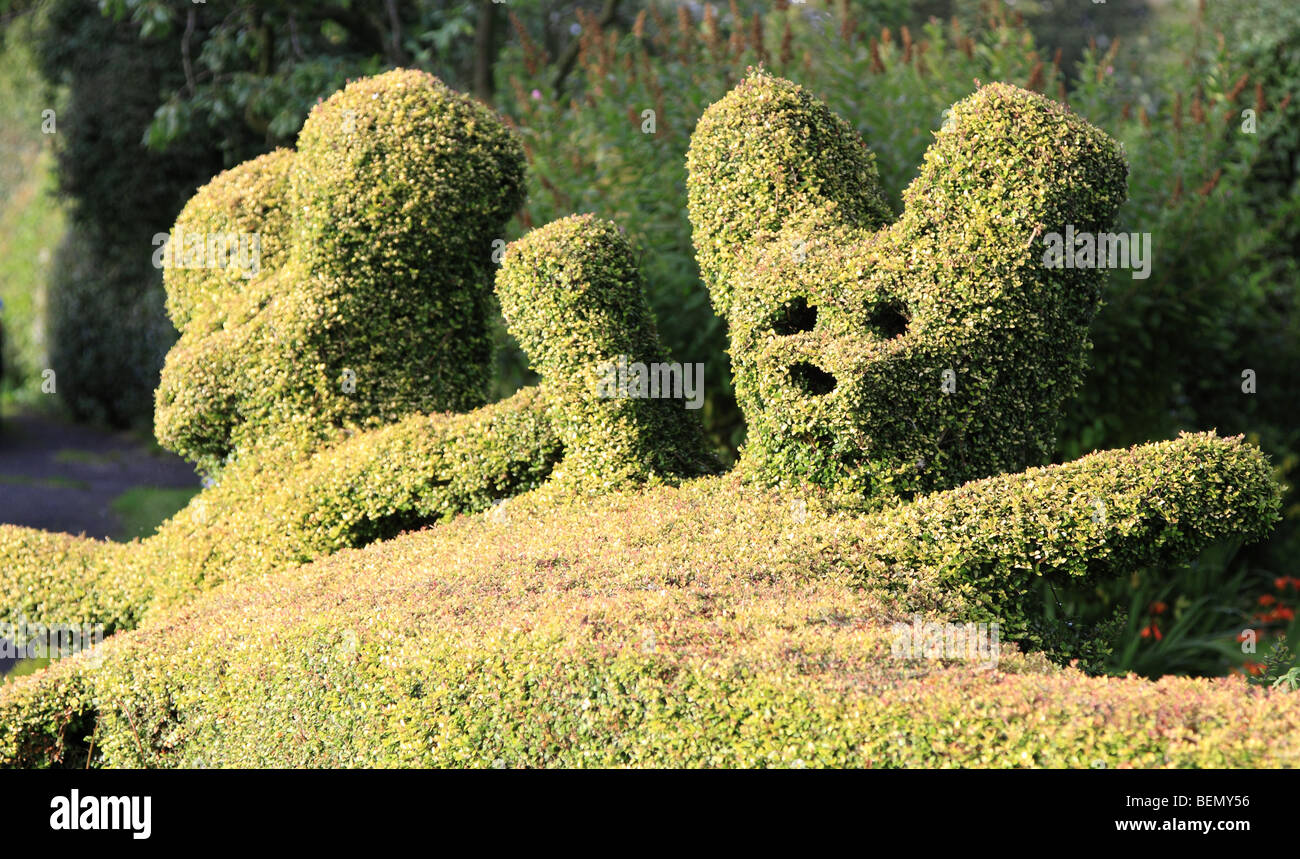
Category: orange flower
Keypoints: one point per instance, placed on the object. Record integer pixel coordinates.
(1244, 634)
(1281, 582)
(1151, 630)
(1253, 667)
(1158, 607)
(1285, 613)
(1267, 599)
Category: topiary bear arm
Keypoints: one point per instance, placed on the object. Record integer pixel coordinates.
(54, 578)
(269, 514)
(1104, 515)
(367, 487)
(572, 296)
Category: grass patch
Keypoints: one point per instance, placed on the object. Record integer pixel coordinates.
(23, 668)
(141, 509)
(73, 456)
(55, 482)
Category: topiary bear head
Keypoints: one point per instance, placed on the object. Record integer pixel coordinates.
(882, 357)
(360, 289)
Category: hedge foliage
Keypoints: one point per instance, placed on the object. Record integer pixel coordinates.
(53, 578)
(400, 189)
(764, 153)
(252, 198)
(1097, 518)
(275, 510)
(712, 624)
(375, 245)
(884, 362)
(717, 622)
(574, 300)
(248, 390)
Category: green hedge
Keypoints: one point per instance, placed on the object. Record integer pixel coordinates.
(375, 241)
(591, 151)
(937, 350)
(276, 510)
(53, 578)
(573, 299)
(1099, 517)
(711, 624)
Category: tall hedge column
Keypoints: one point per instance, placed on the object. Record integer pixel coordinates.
(573, 298)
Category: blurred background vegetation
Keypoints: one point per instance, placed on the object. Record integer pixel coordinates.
(153, 97)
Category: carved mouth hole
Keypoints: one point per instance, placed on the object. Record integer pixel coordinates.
(794, 317)
(888, 320)
(811, 379)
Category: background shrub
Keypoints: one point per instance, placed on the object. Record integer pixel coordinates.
(31, 221)
(107, 329)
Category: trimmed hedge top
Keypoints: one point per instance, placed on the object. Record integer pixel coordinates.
(710, 624)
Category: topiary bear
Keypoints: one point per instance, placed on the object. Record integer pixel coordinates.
(883, 357)
(908, 370)
(324, 390)
(370, 301)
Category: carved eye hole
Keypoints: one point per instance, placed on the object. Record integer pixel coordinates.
(794, 317)
(811, 379)
(888, 320)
